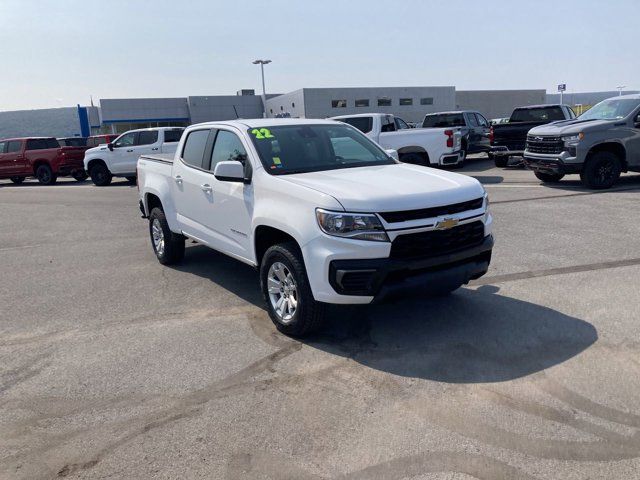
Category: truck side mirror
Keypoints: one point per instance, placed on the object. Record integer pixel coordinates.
(392, 153)
(110, 146)
(230, 171)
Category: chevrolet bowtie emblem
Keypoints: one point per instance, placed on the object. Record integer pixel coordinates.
(447, 223)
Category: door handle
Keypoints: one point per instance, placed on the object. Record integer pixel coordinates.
(178, 179)
(129, 151)
(206, 188)
(154, 148)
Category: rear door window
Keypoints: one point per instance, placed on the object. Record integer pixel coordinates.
(194, 147)
(388, 124)
(3, 146)
(401, 124)
(14, 146)
(172, 135)
(147, 137)
(481, 120)
(473, 121)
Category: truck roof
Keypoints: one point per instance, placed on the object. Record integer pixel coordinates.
(452, 112)
(150, 129)
(546, 105)
(266, 122)
(363, 115)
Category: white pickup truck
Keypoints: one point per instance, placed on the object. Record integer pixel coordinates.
(324, 213)
(119, 158)
(430, 147)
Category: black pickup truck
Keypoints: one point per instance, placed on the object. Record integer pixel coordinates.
(509, 139)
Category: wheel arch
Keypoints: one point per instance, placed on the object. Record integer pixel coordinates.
(265, 236)
(613, 147)
(95, 161)
(40, 161)
(415, 149)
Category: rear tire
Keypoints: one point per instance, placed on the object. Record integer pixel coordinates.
(100, 175)
(17, 180)
(601, 171)
(549, 177)
(501, 160)
(168, 246)
(80, 175)
(286, 291)
(45, 175)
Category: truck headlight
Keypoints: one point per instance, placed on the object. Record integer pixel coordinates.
(572, 140)
(359, 226)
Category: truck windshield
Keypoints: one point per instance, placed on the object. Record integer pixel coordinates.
(312, 148)
(542, 114)
(612, 109)
(443, 120)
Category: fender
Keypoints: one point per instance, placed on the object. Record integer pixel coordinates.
(157, 185)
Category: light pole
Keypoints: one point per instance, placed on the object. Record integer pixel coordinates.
(262, 63)
(620, 88)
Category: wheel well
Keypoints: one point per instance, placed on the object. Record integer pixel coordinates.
(414, 150)
(266, 237)
(152, 202)
(37, 163)
(93, 162)
(612, 147)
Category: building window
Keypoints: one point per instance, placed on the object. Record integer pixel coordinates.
(271, 110)
(426, 101)
(293, 105)
(281, 108)
(338, 103)
(384, 102)
(406, 101)
(362, 103)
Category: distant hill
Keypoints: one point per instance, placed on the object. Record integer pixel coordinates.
(49, 122)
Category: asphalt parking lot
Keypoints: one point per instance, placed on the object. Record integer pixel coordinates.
(113, 366)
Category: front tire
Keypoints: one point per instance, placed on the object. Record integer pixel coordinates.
(549, 177)
(45, 175)
(168, 246)
(601, 171)
(100, 175)
(17, 180)
(286, 291)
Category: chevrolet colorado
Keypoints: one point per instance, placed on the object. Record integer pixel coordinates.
(324, 213)
(599, 144)
(430, 147)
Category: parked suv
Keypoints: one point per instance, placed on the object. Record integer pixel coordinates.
(599, 144)
(325, 214)
(474, 129)
(42, 157)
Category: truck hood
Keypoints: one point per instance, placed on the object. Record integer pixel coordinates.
(100, 148)
(569, 127)
(390, 187)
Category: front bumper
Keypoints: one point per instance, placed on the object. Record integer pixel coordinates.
(383, 278)
(555, 164)
(501, 151)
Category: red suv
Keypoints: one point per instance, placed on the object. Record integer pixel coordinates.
(42, 157)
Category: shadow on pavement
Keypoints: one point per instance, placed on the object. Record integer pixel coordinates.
(471, 336)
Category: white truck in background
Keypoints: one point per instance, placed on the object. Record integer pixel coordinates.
(429, 147)
(120, 157)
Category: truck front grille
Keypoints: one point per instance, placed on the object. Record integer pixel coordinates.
(437, 242)
(551, 145)
(407, 215)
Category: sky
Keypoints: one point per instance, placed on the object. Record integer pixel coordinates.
(59, 53)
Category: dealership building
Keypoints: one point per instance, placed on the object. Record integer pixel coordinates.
(410, 103)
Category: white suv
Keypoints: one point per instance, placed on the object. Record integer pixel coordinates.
(325, 214)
